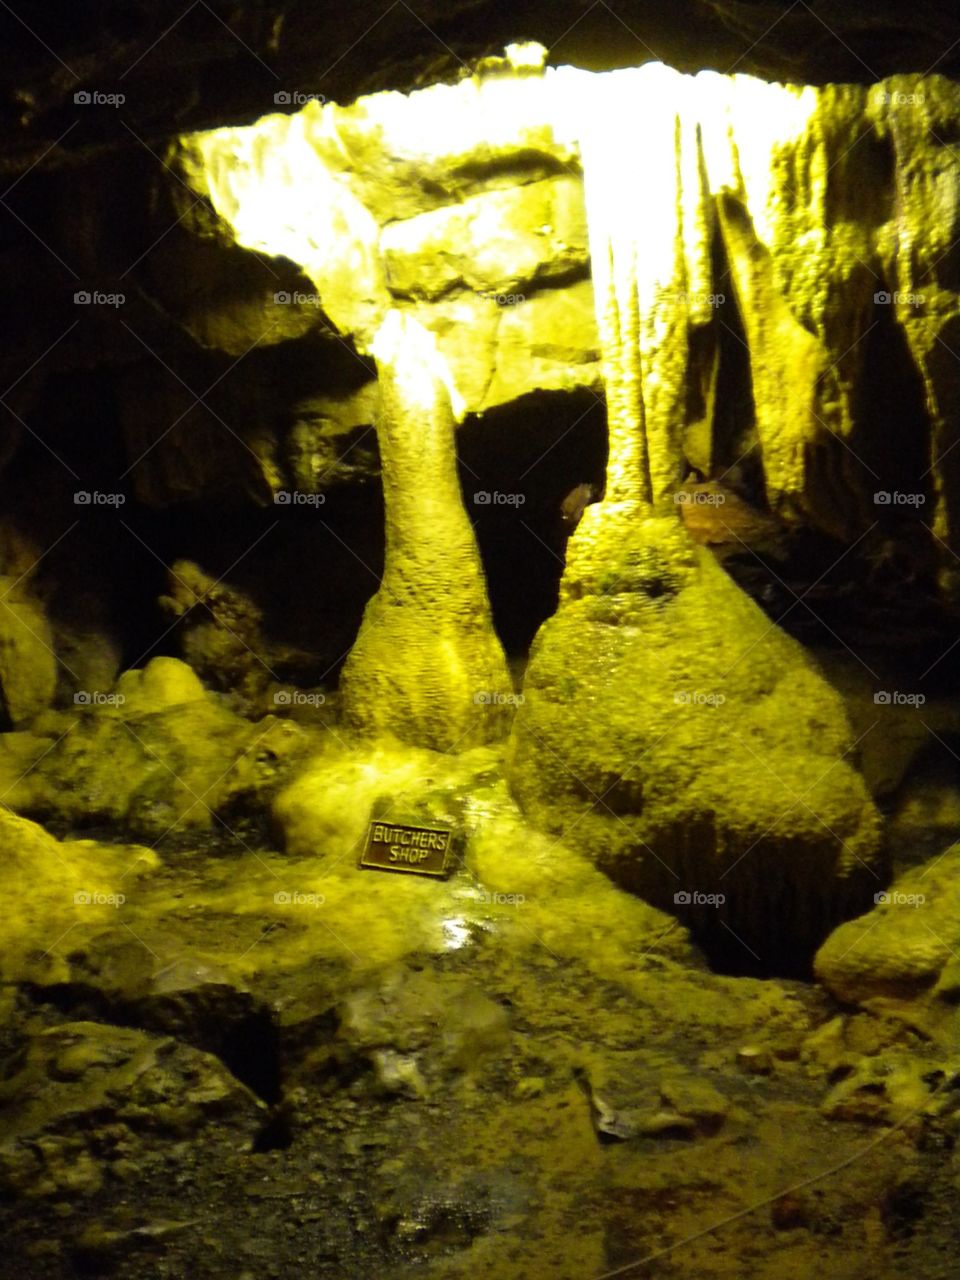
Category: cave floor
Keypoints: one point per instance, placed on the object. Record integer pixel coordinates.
(386, 1076)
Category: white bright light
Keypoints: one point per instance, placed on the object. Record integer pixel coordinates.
(456, 933)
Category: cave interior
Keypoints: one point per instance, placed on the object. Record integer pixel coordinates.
(480, 584)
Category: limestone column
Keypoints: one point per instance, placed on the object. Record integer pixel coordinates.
(637, 218)
(427, 666)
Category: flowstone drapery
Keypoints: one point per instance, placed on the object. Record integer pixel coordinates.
(817, 225)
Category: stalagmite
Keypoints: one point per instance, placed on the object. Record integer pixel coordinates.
(813, 202)
(427, 666)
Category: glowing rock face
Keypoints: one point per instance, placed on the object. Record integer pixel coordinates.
(634, 212)
(752, 159)
(271, 187)
(819, 199)
(688, 746)
(657, 675)
(830, 205)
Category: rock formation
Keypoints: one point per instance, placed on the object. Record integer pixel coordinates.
(905, 947)
(458, 208)
(426, 665)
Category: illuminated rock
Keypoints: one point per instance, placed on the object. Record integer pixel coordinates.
(695, 750)
(54, 888)
(328, 805)
(690, 747)
(825, 200)
(791, 189)
(919, 250)
(545, 342)
(161, 684)
(905, 944)
(332, 237)
(405, 154)
(427, 665)
(636, 222)
(500, 350)
(221, 636)
(496, 243)
(157, 756)
(802, 190)
(466, 329)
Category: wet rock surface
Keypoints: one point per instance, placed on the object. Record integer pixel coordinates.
(390, 1154)
(86, 1101)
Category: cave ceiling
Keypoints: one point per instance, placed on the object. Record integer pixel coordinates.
(187, 66)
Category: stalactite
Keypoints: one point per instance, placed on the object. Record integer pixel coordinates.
(820, 200)
(638, 227)
(752, 158)
(636, 220)
(800, 192)
(797, 184)
(824, 198)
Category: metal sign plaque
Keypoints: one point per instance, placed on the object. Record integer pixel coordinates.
(420, 851)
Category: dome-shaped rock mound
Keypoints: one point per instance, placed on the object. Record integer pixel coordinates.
(695, 752)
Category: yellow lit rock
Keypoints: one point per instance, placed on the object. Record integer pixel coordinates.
(55, 891)
(332, 236)
(547, 342)
(918, 248)
(688, 746)
(326, 809)
(161, 684)
(427, 665)
(404, 154)
(466, 329)
(792, 187)
(159, 757)
(454, 188)
(899, 949)
(635, 217)
(498, 242)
